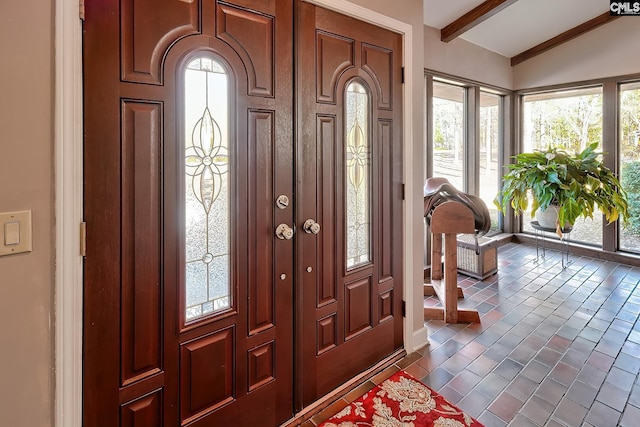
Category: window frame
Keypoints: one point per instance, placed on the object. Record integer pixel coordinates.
(512, 139)
(519, 220)
(610, 139)
(471, 131)
(618, 158)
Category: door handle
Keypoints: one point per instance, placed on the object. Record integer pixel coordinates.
(284, 232)
(310, 226)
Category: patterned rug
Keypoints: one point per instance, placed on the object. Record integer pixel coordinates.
(401, 401)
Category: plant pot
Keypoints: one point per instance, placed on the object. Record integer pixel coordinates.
(547, 218)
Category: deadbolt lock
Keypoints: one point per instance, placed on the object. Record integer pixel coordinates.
(282, 201)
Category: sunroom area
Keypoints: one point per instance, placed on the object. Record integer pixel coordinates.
(558, 342)
(568, 117)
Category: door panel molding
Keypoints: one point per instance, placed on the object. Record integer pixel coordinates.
(378, 63)
(261, 129)
(145, 411)
(201, 388)
(233, 26)
(145, 39)
(141, 329)
(336, 54)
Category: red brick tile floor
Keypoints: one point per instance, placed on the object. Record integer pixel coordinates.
(555, 347)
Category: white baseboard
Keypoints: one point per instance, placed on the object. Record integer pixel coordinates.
(420, 339)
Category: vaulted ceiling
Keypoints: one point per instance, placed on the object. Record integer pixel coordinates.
(517, 29)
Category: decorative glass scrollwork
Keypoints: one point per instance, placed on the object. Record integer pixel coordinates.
(207, 192)
(358, 172)
(207, 161)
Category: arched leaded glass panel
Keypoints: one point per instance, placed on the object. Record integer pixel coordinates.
(207, 198)
(358, 174)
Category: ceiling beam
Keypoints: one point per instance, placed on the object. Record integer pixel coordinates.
(563, 38)
(472, 18)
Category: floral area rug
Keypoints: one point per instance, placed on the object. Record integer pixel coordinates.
(401, 401)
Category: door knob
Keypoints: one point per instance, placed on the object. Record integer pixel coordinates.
(310, 226)
(284, 232)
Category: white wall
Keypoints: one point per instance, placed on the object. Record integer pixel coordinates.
(610, 50)
(463, 59)
(26, 182)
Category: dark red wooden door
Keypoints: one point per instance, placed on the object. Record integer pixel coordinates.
(349, 181)
(191, 167)
(188, 138)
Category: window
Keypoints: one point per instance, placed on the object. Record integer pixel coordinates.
(468, 142)
(449, 132)
(490, 138)
(569, 119)
(358, 173)
(629, 146)
(207, 198)
(466, 138)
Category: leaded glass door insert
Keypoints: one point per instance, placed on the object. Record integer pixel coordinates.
(358, 171)
(207, 190)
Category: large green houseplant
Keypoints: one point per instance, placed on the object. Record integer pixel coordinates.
(576, 184)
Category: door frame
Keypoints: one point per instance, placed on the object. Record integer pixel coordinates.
(68, 197)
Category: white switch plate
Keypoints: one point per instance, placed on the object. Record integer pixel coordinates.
(7, 223)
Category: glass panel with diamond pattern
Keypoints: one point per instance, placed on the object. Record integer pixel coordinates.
(358, 175)
(207, 198)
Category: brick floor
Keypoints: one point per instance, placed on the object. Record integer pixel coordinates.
(555, 347)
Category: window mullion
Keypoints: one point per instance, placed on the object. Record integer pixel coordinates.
(472, 140)
(610, 148)
(429, 126)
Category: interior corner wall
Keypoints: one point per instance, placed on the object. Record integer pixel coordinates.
(26, 183)
(461, 58)
(607, 51)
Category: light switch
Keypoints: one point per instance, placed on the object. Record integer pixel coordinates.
(11, 233)
(15, 232)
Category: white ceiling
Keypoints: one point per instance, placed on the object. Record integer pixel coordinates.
(518, 27)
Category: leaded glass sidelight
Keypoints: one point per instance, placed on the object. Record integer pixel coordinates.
(207, 191)
(358, 175)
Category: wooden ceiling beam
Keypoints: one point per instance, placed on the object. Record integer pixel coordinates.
(475, 16)
(563, 38)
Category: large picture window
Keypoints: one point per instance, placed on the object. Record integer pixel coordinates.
(469, 143)
(571, 120)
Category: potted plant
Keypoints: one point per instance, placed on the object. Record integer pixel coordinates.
(575, 184)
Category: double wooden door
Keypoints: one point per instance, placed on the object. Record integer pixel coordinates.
(243, 208)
